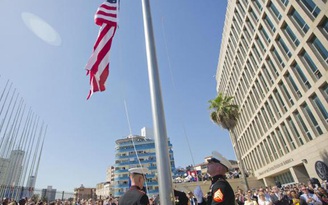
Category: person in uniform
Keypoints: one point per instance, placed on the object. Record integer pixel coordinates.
(135, 195)
(220, 191)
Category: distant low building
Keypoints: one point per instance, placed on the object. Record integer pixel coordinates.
(84, 193)
(104, 190)
(48, 194)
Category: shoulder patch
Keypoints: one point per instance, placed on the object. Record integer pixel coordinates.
(218, 196)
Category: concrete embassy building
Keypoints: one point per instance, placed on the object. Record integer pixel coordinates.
(274, 61)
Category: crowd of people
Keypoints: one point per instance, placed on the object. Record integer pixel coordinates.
(220, 192)
(296, 194)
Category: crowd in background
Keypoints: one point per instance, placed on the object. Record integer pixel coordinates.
(310, 193)
(296, 194)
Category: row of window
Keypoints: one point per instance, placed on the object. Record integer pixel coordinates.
(239, 60)
(302, 126)
(245, 38)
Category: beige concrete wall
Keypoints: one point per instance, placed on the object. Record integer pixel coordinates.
(235, 183)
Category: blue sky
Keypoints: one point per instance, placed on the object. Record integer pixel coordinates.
(80, 142)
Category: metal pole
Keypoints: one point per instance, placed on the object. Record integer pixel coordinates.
(161, 142)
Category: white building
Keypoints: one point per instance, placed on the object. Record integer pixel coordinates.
(274, 61)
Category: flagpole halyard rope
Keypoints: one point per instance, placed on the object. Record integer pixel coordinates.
(174, 86)
(134, 146)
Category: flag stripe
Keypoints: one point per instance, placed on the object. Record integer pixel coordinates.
(103, 38)
(102, 18)
(98, 64)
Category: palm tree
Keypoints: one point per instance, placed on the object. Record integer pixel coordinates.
(225, 114)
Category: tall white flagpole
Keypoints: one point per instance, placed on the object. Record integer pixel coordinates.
(161, 142)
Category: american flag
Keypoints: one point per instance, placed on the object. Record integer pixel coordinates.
(98, 64)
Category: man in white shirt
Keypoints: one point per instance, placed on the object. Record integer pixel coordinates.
(309, 198)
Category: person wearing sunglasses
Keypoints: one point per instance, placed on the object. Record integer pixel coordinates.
(220, 192)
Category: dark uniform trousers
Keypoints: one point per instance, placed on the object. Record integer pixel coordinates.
(220, 192)
(134, 196)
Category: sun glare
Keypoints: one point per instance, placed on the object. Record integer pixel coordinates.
(41, 29)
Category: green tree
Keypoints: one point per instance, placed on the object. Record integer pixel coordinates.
(226, 114)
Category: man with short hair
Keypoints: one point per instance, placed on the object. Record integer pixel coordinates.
(220, 192)
(309, 198)
(192, 198)
(135, 195)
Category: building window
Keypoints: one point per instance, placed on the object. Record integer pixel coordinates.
(259, 127)
(291, 35)
(256, 94)
(258, 4)
(254, 16)
(245, 2)
(242, 49)
(236, 25)
(320, 107)
(264, 154)
(286, 93)
(270, 112)
(255, 64)
(244, 42)
(270, 24)
(301, 76)
(303, 126)
(268, 76)
(311, 7)
(284, 47)
(312, 118)
(274, 105)
(325, 26)
(290, 139)
(275, 141)
(320, 49)
(250, 68)
(238, 16)
(260, 89)
(295, 131)
(257, 54)
(250, 25)
(265, 34)
(240, 7)
(284, 2)
(248, 36)
(274, 10)
(278, 58)
(282, 140)
(268, 149)
(272, 67)
(299, 20)
(259, 42)
(280, 100)
(264, 83)
(324, 91)
(275, 155)
(292, 82)
(310, 64)
(265, 117)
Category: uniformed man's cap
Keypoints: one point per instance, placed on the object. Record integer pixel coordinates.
(139, 170)
(218, 158)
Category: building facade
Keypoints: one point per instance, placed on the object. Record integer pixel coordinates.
(136, 151)
(274, 61)
(84, 193)
(48, 194)
(110, 174)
